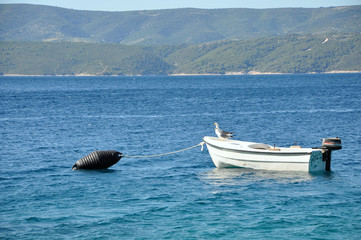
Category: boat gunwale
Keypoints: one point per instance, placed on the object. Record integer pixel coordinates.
(264, 151)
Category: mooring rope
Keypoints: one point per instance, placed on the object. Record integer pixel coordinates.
(157, 155)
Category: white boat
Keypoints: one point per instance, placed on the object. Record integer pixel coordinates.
(233, 153)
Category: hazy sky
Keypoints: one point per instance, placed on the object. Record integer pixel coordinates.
(126, 5)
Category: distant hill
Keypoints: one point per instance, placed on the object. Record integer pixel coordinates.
(36, 23)
(284, 54)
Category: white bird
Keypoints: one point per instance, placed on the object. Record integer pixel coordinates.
(222, 134)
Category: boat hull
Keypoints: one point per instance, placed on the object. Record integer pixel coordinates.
(231, 153)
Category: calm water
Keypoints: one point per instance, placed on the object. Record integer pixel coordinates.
(48, 123)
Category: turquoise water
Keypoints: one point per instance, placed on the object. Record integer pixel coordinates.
(48, 123)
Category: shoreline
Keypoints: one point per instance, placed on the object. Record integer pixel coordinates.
(178, 74)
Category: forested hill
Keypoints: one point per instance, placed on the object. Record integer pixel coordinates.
(285, 54)
(36, 23)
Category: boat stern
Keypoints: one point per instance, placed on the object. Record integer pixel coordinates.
(316, 162)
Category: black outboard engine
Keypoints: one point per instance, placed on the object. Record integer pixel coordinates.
(328, 145)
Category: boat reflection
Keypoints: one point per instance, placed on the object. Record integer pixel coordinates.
(242, 176)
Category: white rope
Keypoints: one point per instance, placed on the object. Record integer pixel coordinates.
(157, 155)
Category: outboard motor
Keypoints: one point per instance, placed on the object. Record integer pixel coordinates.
(328, 145)
(332, 143)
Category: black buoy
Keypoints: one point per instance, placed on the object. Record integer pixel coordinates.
(98, 160)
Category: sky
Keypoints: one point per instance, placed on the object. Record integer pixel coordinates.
(129, 5)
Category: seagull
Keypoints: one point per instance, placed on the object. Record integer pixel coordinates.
(222, 134)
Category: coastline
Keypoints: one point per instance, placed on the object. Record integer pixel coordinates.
(178, 74)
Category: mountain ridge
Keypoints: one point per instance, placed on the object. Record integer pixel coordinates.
(38, 23)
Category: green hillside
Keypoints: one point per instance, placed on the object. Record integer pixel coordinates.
(289, 54)
(76, 58)
(285, 54)
(35, 23)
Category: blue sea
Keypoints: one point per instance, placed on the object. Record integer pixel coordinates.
(48, 123)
